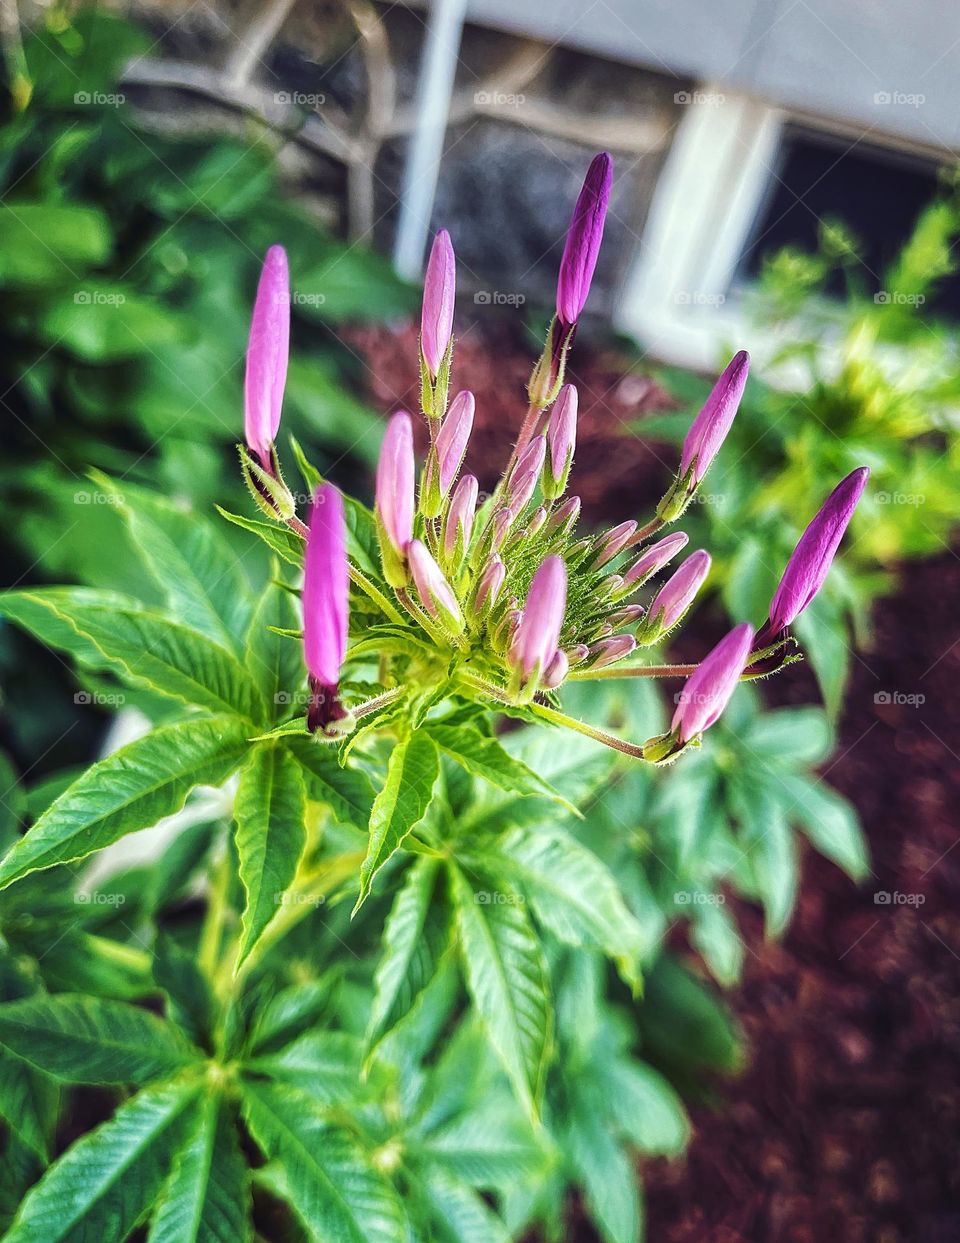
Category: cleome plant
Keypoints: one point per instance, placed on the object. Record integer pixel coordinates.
(382, 982)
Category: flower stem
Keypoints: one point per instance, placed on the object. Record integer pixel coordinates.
(589, 731)
(631, 671)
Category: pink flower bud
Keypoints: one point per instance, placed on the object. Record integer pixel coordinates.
(608, 651)
(395, 482)
(583, 240)
(268, 350)
(709, 688)
(678, 592)
(502, 521)
(556, 671)
(439, 292)
(326, 588)
(459, 522)
(626, 616)
(563, 521)
(452, 438)
(561, 441)
(655, 558)
(526, 474)
(577, 654)
(811, 559)
(535, 642)
(490, 584)
(613, 542)
(436, 594)
(709, 429)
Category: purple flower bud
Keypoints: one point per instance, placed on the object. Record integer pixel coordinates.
(708, 689)
(526, 474)
(537, 519)
(678, 592)
(709, 429)
(459, 523)
(502, 521)
(561, 441)
(436, 594)
(268, 350)
(577, 654)
(395, 481)
(608, 651)
(452, 438)
(490, 584)
(655, 558)
(556, 671)
(326, 588)
(535, 642)
(565, 518)
(811, 559)
(439, 291)
(583, 240)
(626, 616)
(613, 542)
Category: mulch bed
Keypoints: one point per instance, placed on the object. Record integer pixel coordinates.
(844, 1128)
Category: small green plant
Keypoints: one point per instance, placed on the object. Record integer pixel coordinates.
(411, 971)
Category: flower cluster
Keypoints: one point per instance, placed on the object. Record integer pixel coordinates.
(505, 592)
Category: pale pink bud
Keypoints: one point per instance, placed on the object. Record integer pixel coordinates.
(577, 654)
(709, 688)
(678, 592)
(395, 482)
(526, 474)
(268, 350)
(709, 429)
(626, 616)
(436, 594)
(535, 643)
(452, 438)
(439, 292)
(490, 584)
(609, 651)
(556, 671)
(502, 521)
(459, 523)
(613, 542)
(583, 240)
(655, 558)
(561, 441)
(565, 518)
(326, 588)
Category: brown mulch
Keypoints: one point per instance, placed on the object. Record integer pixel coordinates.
(845, 1127)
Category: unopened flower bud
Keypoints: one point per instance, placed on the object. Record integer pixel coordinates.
(709, 688)
(583, 240)
(489, 585)
(556, 671)
(654, 559)
(608, 651)
(526, 474)
(564, 519)
(268, 351)
(439, 293)
(611, 543)
(674, 597)
(436, 594)
(394, 497)
(459, 523)
(709, 429)
(561, 442)
(535, 642)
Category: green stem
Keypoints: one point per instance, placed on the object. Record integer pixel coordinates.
(589, 731)
(212, 930)
(376, 595)
(631, 671)
(375, 704)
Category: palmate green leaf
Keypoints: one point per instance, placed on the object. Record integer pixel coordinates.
(607, 1175)
(195, 569)
(329, 1181)
(274, 661)
(485, 757)
(20, 1167)
(28, 1103)
(285, 543)
(324, 1064)
(415, 937)
(829, 821)
(152, 651)
(460, 1215)
(290, 1013)
(769, 847)
(646, 1108)
(190, 1002)
(79, 1039)
(400, 805)
(104, 1183)
(207, 1196)
(715, 935)
(507, 977)
(35, 613)
(131, 789)
(269, 810)
(794, 736)
(574, 895)
(345, 791)
(484, 1146)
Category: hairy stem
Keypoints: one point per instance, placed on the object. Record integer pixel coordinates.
(631, 671)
